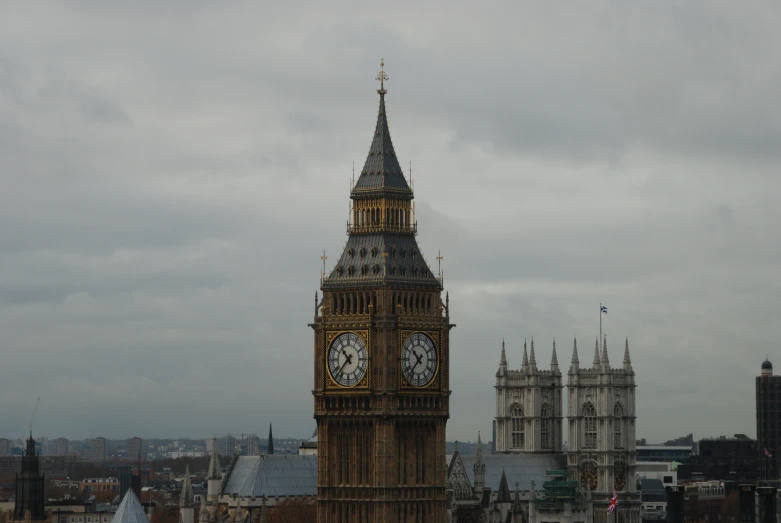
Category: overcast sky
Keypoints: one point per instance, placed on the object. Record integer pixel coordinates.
(171, 172)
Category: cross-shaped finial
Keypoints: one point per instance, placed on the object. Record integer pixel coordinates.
(382, 77)
(323, 257)
(439, 260)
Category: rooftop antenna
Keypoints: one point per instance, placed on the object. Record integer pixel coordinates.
(35, 412)
(411, 181)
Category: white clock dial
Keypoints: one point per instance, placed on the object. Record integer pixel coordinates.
(348, 359)
(419, 359)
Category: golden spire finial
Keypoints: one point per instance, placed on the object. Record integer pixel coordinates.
(382, 77)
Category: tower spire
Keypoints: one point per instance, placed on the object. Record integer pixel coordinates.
(214, 463)
(627, 361)
(532, 359)
(270, 441)
(605, 361)
(479, 468)
(525, 364)
(502, 363)
(575, 364)
(186, 496)
(554, 361)
(596, 354)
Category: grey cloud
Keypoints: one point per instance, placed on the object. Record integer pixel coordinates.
(172, 173)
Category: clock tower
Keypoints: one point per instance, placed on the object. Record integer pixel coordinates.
(381, 352)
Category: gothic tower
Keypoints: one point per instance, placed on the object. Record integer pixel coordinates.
(381, 391)
(29, 486)
(601, 417)
(528, 405)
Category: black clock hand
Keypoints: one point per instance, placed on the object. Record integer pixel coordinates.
(419, 357)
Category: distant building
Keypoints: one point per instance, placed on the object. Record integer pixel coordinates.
(654, 499)
(683, 441)
(135, 449)
(768, 396)
(100, 485)
(5, 447)
(308, 447)
(98, 450)
(59, 447)
(667, 473)
(664, 453)
(723, 459)
(703, 501)
(29, 487)
(226, 445)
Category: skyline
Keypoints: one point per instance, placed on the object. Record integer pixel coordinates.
(169, 199)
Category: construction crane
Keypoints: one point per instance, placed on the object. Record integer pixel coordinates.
(35, 412)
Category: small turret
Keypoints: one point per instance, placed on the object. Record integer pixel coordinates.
(503, 495)
(525, 364)
(270, 450)
(502, 363)
(596, 364)
(532, 360)
(605, 362)
(203, 513)
(554, 360)
(186, 510)
(479, 468)
(237, 517)
(627, 361)
(575, 364)
(767, 368)
(214, 476)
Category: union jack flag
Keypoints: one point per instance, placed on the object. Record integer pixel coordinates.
(768, 454)
(613, 503)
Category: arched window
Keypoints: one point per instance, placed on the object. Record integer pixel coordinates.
(363, 270)
(350, 270)
(617, 422)
(545, 427)
(590, 427)
(516, 417)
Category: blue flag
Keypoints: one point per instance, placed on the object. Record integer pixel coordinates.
(604, 309)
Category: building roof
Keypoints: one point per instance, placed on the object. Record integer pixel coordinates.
(520, 468)
(403, 266)
(368, 259)
(766, 365)
(278, 475)
(130, 510)
(381, 174)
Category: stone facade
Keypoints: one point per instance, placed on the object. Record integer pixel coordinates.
(601, 422)
(528, 405)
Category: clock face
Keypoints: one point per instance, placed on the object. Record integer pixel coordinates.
(588, 475)
(348, 359)
(419, 359)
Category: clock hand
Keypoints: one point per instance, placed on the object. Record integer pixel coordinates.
(419, 357)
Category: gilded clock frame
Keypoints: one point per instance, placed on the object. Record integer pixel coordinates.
(330, 383)
(434, 384)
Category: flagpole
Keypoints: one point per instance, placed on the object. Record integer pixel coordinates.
(600, 322)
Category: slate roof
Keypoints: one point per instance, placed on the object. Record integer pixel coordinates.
(521, 468)
(130, 510)
(273, 475)
(381, 174)
(410, 270)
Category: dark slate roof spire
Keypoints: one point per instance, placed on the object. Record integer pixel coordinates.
(381, 174)
(270, 441)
